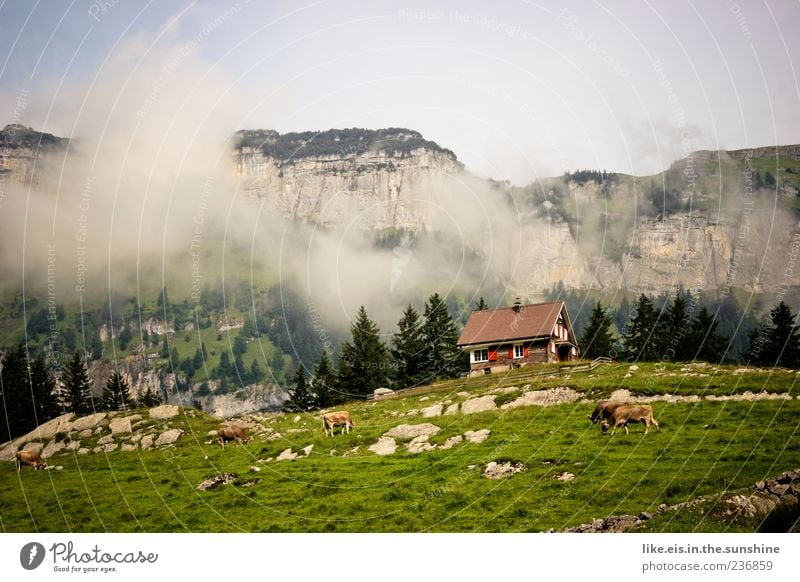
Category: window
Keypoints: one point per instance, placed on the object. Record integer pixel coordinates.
(480, 356)
(519, 351)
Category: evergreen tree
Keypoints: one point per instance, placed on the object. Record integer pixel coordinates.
(17, 400)
(623, 315)
(363, 363)
(256, 373)
(675, 330)
(77, 391)
(640, 335)
(596, 340)
(111, 396)
(703, 339)
(224, 368)
(150, 398)
(442, 357)
(125, 337)
(777, 341)
(324, 383)
(300, 397)
(249, 328)
(197, 362)
(43, 390)
(408, 349)
(239, 346)
(481, 305)
(97, 345)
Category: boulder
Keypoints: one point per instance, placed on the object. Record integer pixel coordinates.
(452, 441)
(384, 446)
(560, 395)
(495, 470)
(127, 448)
(452, 409)
(137, 437)
(120, 426)
(73, 445)
(477, 436)
(87, 422)
(52, 448)
(431, 411)
(287, 455)
(565, 476)
(168, 437)
(420, 444)
(86, 433)
(307, 450)
(147, 441)
(378, 392)
(410, 431)
(481, 404)
(83, 451)
(164, 411)
(216, 481)
(108, 447)
(36, 447)
(105, 440)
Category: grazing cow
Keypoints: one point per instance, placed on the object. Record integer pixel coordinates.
(604, 409)
(31, 458)
(232, 433)
(333, 419)
(625, 415)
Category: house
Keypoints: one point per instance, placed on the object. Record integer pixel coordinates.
(509, 337)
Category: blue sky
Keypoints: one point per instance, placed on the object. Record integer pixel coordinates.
(517, 89)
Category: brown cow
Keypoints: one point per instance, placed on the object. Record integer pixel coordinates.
(604, 409)
(625, 415)
(232, 433)
(333, 419)
(31, 458)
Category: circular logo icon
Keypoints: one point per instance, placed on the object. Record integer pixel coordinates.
(31, 555)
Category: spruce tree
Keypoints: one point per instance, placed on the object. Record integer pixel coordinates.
(364, 361)
(116, 394)
(777, 341)
(300, 397)
(16, 395)
(77, 391)
(324, 383)
(674, 331)
(640, 335)
(481, 305)
(150, 399)
(408, 349)
(596, 340)
(442, 357)
(703, 340)
(43, 391)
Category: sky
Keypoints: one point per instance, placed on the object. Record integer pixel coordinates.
(517, 89)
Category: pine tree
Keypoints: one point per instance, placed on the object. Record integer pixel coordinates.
(673, 333)
(116, 394)
(408, 349)
(641, 333)
(442, 358)
(703, 339)
(150, 399)
(597, 340)
(43, 390)
(256, 372)
(197, 361)
(300, 397)
(777, 341)
(324, 383)
(77, 391)
(16, 401)
(481, 305)
(363, 363)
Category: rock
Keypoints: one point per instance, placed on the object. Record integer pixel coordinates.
(412, 412)
(560, 395)
(52, 448)
(296, 418)
(134, 418)
(452, 441)
(760, 485)
(307, 450)
(463, 394)
(628, 375)
(495, 470)
(86, 433)
(136, 438)
(477, 436)
(410, 431)
(565, 476)
(98, 430)
(105, 440)
(420, 444)
(384, 446)
(147, 441)
(763, 505)
(83, 451)
(431, 411)
(382, 392)
(287, 455)
(35, 447)
(164, 411)
(778, 489)
(73, 445)
(127, 448)
(452, 409)
(97, 450)
(633, 368)
(255, 469)
(216, 481)
(211, 433)
(120, 426)
(645, 515)
(44, 431)
(107, 448)
(168, 437)
(481, 404)
(90, 421)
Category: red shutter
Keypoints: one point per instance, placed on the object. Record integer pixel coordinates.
(492, 355)
(511, 353)
(525, 351)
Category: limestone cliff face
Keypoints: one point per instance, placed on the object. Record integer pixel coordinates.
(25, 153)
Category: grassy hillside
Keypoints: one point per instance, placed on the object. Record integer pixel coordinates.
(705, 448)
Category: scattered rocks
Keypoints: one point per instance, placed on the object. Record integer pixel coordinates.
(495, 470)
(216, 481)
(120, 426)
(378, 392)
(105, 440)
(164, 411)
(90, 421)
(410, 431)
(560, 395)
(287, 455)
(420, 444)
(431, 411)
(614, 523)
(452, 441)
(477, 436)
(384, 446)
(127, 448)
(107, 448)
(565, 476)
(168, 437)
(452, 409)
(481, 404)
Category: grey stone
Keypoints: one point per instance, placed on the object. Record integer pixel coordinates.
(86, 433)
(476, 405)
(127, 448)
(35, 447)
(110, 447)
(287, 455)
(420, 444)
(105, 440)
(168, 437)
(164, 411)
(410, 431)
(452, 441)
(452, 409)
(147, 441)
(495, 470)
(431, 411)
(477, 436)
(120, 426)
(83, 451)
(90, 421)
(384, 446)
(307, 450)
(52, 448)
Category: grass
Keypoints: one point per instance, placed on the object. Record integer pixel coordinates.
(343, 489)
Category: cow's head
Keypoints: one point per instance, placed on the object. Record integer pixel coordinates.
(605, 425)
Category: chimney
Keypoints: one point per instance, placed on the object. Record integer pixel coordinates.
(517, 305)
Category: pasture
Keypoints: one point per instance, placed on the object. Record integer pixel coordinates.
(705, 448)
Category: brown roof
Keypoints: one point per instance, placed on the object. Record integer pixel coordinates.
(501, 325)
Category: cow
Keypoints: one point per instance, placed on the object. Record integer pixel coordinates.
(232, 433)
(333, 419)
(31, 458)
(625, 415)
(604, 409)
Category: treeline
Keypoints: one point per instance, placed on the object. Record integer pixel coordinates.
(684, 330)
(423, 349)
(31, 393)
